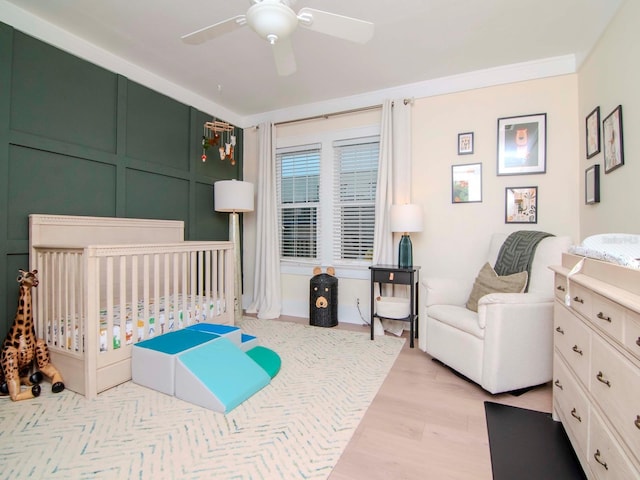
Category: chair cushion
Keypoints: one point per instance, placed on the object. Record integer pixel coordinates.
(457, 316)
(488, 281)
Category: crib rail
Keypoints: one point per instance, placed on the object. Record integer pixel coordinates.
(94, 303)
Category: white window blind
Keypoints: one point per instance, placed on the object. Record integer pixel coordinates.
(298, 174)
(355, 179)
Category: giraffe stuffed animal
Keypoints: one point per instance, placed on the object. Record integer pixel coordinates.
(21, 347)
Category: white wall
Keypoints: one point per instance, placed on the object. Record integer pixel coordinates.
(610, 77)
(456, 236)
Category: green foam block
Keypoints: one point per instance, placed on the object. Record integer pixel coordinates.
(268, 359)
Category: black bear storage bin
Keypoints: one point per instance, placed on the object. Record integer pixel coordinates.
(323, 301)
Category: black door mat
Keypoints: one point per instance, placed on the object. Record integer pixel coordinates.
(529, 445)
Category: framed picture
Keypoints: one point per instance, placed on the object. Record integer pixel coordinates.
(592, 185)
(521, 205)
(465, 143)
(466, 183)
(522, 144)
(612, 139)
(593, 133)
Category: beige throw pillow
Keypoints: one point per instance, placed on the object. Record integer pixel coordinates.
(488, 281)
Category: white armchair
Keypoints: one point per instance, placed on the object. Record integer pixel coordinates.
(508, 344)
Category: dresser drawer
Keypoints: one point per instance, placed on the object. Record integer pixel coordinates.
(571, 403)
(615, 384)
(560, 286)
(605, 458)
(607, 316)
(632, 333)
(573, 341)
(581, 299)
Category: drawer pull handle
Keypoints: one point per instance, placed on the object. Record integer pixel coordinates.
(597, 457)
(561, 331)
(578, 299)
(391, 276)
(560, 287)
(600, 377)
(602, 316)
(638, 341)
(577, 350)
(637, 422)
(575, 415)
(559, 385)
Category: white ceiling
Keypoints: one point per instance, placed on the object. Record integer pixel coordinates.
(414, 41)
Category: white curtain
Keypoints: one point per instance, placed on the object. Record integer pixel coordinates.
(394, 183)
(267, 296)
(383, 238)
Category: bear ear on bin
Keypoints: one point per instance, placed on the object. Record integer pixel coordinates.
(331, 271)
(317, 270)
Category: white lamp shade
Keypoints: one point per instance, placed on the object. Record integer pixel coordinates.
(233, 196)
(406, 218)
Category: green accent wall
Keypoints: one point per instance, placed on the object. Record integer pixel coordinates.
(76, 139)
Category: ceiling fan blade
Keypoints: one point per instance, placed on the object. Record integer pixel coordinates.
(284, 57)
(353, 29)
(215, 30)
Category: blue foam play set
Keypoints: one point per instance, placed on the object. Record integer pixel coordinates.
(211, 365)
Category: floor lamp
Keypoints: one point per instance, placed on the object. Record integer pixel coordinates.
(234, 196)
(406, 218)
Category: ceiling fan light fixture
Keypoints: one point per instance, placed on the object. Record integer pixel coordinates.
(272, 20)
(275, 21)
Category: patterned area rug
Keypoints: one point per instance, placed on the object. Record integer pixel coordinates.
(295, 428)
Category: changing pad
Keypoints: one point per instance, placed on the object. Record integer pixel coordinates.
(620, 248)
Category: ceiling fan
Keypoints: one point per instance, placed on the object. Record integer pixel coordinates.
(275, 21)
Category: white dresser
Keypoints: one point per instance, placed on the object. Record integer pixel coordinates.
(596, 365)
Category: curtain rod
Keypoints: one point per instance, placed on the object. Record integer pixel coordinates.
(334, 114)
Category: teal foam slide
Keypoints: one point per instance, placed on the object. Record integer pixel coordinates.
(213, 366)
(218, 375)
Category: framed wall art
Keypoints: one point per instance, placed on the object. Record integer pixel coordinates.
(466, 183)
(612, 140)
(465, 143)
(521, 205)
(592, 185)
(522, 144)
(593, 133)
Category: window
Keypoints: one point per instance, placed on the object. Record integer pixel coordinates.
(299, 200)
(356, 174)
(326, 200)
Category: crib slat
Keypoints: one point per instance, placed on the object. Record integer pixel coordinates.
(122, 303)
(193, 256)
(134, 297)
(156, 292)
(208, 283)
(184, 293)
(146, 326)
(175, 287)
(109, 333)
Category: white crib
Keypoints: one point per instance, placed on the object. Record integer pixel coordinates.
(107, 283)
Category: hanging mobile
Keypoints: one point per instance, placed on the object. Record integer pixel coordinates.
(205, 144)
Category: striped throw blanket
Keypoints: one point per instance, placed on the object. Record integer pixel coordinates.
(517, 251)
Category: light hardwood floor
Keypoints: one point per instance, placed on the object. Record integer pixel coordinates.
(425, 423)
